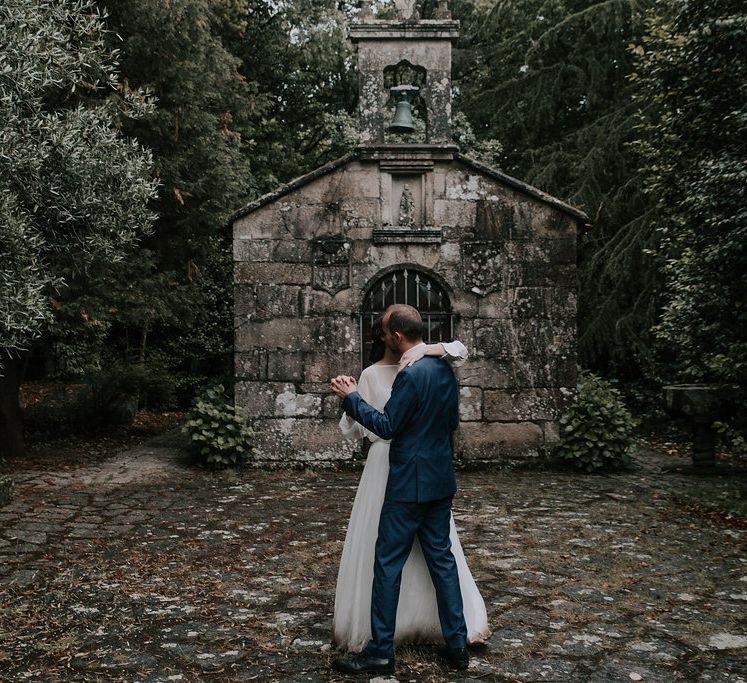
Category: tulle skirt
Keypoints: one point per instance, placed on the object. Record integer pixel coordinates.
(417, 612)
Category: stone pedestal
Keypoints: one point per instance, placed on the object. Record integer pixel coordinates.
(6, 489)
(701, 404)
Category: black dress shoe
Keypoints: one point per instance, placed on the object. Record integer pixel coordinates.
(364, 663)
(456, 657)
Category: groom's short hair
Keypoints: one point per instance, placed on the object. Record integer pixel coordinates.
(406, 320)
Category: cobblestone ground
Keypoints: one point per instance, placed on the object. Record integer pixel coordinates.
(143, 569)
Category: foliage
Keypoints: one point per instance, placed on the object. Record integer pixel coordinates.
(150, 385)
(299, 56)
(548, 78)
(201, 135)
(74, 193)
(691, 76)
(219, 433)
(596, 434)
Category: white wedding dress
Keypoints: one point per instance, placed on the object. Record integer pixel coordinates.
(417, 612)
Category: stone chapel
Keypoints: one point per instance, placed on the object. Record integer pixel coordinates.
(486, 258)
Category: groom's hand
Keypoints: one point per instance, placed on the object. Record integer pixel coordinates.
(343, 385)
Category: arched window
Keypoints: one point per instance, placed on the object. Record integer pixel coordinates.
(407, 285)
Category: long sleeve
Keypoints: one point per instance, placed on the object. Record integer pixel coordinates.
(397, 412)
(456, 353)
(348, 426)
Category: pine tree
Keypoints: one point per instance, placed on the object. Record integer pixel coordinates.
(691, 81)
(201, 136)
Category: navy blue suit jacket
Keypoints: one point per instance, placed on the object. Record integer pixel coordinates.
(419, 417)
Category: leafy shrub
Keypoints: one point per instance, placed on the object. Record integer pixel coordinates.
(219, 433)
(596, 434)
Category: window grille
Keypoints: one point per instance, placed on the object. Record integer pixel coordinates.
(413, 287)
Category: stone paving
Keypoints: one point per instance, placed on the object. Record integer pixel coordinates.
(144, 569)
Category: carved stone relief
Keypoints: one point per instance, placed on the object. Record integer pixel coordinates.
(482, 267)
(331, 264)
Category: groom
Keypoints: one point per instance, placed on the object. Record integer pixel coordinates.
(419, 418)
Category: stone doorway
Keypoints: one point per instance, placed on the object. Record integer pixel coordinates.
(406, 284)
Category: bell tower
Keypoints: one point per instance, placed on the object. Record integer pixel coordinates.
(421, 47)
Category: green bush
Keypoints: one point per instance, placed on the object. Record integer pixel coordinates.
(219, 433)
(596, 434)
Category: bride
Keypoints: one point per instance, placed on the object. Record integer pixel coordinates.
(417, 612)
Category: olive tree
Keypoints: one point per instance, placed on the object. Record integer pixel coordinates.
(74, 192)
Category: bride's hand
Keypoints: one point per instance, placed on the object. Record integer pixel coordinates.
(343, 385)
(411, 356)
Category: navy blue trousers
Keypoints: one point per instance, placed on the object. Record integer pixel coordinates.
(398, 525)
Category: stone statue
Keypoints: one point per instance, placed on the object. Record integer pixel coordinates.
(366, 12)
(406, 9)
(407, 208)
(443, 11)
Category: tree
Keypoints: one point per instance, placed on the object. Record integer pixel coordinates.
(200, 132)
(299, 56)
(549, 79)
(74, 193)
(691, 71)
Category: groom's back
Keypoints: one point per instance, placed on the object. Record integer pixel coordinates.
(420, 457)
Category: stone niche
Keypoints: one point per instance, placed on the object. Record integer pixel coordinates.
(312, 258)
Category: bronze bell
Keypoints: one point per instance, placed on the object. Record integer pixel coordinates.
(402, 121)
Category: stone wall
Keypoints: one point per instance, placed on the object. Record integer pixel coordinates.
(304, 256)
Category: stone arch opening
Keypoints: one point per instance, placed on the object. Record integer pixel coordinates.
(407, 284)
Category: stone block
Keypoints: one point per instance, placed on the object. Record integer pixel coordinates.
(470, 404)
(563, 303)
(481, 372)
(289, 334)
(530, 302)
(450, 252)
(284, 366)
(466, 305)
(272, 273)
(292, 250)
(363, 183)
(454, 212)
(257, 399)
(465, 184)
(491, 440)
(495, 339)
(524, 404)
(317, 302)
(360, 213)
(290, 403)
(252, 249)
(251, 365)
(332, 407)
(288, 440)
(265, 302)
(321, 367)
(535, 337)
(549, 222)
(263, 223)
(495, 305)
(494, 220)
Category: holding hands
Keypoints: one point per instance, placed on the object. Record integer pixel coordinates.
(343, 385)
